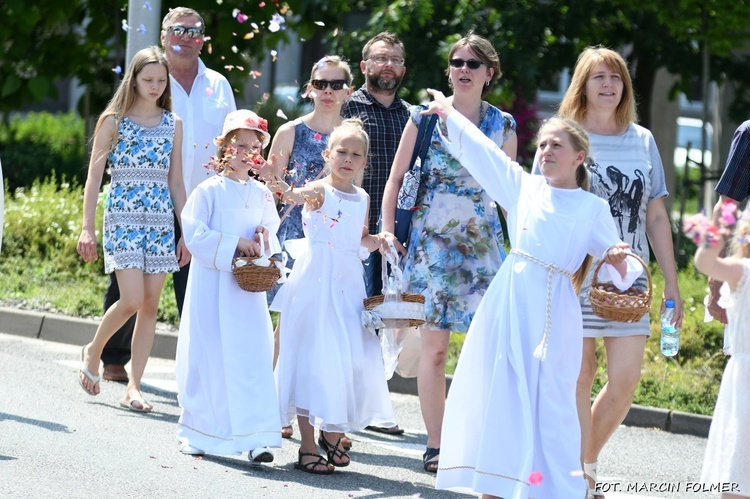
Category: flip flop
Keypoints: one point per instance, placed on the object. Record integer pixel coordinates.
(84, 370)
(393, 430)
(129, 404)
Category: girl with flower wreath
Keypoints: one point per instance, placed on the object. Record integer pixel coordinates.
(727, 458)
(224, 362)
(140, 140)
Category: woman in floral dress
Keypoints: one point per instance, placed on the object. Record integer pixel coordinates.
(140, 139)
(455, 244)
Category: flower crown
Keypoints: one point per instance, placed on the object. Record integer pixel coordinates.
(704, 232)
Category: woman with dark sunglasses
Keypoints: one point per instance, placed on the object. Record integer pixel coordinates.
(297, 152)
(455, 244)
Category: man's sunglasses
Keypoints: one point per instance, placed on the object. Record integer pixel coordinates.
(471, 63)
(179, 31)
(323, 84)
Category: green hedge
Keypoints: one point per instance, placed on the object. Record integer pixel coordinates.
(35, 146)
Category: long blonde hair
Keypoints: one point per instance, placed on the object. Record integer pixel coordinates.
(125, 95)
(579, 139)
(574, 103)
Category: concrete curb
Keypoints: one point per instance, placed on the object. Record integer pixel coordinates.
(75, 331)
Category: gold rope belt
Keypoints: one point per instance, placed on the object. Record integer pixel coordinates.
(541, 350)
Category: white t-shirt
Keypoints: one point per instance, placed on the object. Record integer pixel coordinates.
(202, 112)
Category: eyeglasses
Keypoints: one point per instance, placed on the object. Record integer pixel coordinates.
(471, 63)
(334, 84)
(192, 32)
(382, 60)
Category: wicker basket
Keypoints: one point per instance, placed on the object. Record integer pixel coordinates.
(374, 301)
(608, 302)
(255, 278)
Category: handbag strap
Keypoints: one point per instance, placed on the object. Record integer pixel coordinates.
(422, 145)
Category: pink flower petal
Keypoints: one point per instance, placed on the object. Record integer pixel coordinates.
(209, 92)
(535, 478)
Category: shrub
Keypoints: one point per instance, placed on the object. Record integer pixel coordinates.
(38, 145)
(43, 222)
(39, 265)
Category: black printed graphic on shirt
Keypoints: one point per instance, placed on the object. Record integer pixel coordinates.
(624, 195)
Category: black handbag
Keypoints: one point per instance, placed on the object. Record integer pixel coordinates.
(407, 195)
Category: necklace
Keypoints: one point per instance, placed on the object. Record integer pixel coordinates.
(482, 112)
(238, 190)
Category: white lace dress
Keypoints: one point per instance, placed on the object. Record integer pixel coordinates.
(727, 457)
(330, 368)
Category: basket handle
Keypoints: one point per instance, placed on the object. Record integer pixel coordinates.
(595, 280)
(390, 256)
(262, 259)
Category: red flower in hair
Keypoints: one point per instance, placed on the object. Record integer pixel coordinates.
(261, 124)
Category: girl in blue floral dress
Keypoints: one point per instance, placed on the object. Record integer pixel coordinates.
(455, 244)
(140, 140)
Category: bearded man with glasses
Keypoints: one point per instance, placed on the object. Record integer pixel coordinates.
(202, 98)
(384, 114)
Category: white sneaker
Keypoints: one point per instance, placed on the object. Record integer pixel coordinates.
(189, 450)
(260, 455)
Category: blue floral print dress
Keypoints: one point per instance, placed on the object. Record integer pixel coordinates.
(305, 164)
(139, 214)
(456, 240)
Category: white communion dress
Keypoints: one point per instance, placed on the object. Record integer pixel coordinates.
(511, 410)
(330, 368)
(727, 458)
(224, 358)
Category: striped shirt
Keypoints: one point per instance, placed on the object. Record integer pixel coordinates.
(735, 181)
(384, 125)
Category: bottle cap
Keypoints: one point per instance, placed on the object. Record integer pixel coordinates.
(669, 303)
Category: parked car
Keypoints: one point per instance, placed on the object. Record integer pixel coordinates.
(689, 132)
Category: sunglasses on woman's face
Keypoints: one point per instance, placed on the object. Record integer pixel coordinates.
(471, 63)
(323, 84)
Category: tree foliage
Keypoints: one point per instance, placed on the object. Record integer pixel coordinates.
(537, 38)
(47, 40)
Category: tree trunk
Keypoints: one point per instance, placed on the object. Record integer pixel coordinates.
(643, 73)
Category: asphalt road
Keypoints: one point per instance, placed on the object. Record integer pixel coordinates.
(56, 441)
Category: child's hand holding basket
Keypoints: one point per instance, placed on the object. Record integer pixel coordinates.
(393, 308)
(257, 274)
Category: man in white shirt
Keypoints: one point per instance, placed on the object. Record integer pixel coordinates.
(202, 98)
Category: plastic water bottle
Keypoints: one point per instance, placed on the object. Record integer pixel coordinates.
(670, 335)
